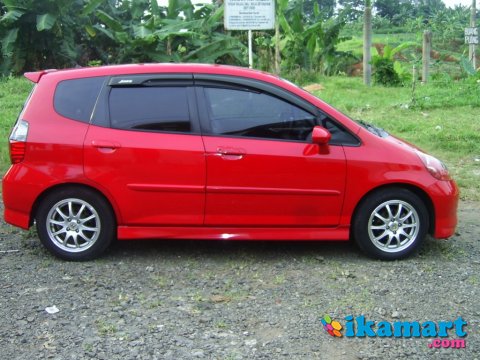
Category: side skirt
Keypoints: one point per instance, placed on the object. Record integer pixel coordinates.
(220, 233)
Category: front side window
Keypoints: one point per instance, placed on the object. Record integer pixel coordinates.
(150, 108)
(253, 114)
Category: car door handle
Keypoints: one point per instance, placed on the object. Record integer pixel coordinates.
(102, 144)
(228, 153)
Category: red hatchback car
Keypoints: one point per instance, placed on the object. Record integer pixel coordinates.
(186, 151)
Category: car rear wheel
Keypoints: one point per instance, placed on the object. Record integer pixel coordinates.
(75, 224)
(390, 224)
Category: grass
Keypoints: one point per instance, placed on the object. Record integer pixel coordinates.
(105, 328)
(441, 117)
(13, 93)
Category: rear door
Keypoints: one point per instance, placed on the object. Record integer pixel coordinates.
(144, 149)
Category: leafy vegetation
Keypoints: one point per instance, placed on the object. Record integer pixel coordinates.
(319, 37)
(64, 33)
(46, 34)
(389, 72)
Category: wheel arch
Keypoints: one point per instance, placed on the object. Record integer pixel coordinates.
(58, 187)
(427, 201)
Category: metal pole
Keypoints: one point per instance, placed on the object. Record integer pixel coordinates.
(250, 52)
(471, 47)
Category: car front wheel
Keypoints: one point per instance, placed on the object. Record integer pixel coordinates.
(75, 224)
(390, 224)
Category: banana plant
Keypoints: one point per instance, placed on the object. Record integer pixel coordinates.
(140, 31)
(38, 34)
(388, 71)
(309, 45)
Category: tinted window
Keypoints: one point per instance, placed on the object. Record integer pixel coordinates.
(150, 108)
(252, 114)
(340, 136)
(76, 98)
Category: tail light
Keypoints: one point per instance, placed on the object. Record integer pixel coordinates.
(18, 141)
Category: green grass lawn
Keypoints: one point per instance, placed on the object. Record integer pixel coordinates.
(13, 93)
(444, 119)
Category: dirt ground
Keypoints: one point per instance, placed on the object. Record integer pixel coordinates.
(234, 300)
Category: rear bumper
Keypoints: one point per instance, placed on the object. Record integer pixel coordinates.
(19, 195)
(17, 218)
(444, 196)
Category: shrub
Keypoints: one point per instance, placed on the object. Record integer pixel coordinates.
(385, 73)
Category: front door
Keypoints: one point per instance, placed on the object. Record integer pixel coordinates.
(262, 170)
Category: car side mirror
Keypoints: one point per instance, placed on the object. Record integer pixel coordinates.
(320, 136)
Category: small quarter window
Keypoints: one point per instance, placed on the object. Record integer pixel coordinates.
(150, 108)
(340, 136)
(76, 98)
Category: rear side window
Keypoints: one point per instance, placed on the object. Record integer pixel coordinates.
(75, 99)
(150, 108)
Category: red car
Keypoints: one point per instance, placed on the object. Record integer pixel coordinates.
(185, 151)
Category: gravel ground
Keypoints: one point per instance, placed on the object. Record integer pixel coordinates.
(232, 300)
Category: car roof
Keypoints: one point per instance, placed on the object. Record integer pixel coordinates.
(175, 68)
(132, 69)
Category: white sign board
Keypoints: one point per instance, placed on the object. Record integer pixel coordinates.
(471, 35)
(249, 14)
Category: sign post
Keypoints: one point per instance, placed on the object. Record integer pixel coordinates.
(471, 38)
(471, 34)
(250, 51)
(249, 15)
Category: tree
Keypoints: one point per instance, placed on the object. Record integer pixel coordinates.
(310, 44)
(65, 33)
(396, 11)
(353, 9)
(143, 32)
(326, 7)
(428, 8)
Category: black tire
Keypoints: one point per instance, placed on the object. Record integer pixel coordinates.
(390, 224)
(75, 223)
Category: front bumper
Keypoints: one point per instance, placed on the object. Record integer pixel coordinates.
(444, 195)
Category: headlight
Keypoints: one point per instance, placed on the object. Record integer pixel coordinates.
(434, 166)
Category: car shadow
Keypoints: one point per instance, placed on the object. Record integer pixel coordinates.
(301, 250)
(217, 249)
